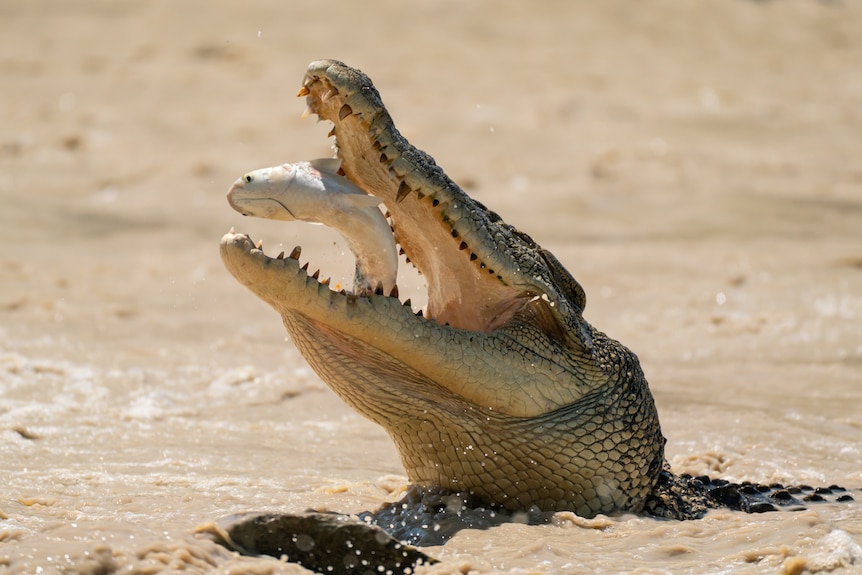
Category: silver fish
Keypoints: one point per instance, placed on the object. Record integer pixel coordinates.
(315, 192)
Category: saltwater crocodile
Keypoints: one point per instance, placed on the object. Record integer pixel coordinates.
(500, 389)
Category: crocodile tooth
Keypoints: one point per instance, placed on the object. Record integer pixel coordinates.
(259, 244)
(331, 132)
(280, 256)
(419, 313)
(463, 246)
(407, 302)
(308, 111)
(400, 251)
(326, 281)
(294, 254)
(379, 289)
(328, 94)
(344, 111)
(304, 91)
(394, 291)
(305, 267)
(316, 274)
(403, 191)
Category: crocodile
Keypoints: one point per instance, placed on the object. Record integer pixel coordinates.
(499, 389)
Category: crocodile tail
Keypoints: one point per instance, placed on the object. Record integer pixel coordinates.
(686, 497)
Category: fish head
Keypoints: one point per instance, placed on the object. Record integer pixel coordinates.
(264, 193)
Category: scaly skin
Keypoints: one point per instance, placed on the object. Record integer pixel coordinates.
(502, 388)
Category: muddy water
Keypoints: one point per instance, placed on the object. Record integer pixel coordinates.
(696, 165)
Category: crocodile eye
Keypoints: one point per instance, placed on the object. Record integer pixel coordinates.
(248, 178)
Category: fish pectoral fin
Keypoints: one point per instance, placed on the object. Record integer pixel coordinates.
(327, 166)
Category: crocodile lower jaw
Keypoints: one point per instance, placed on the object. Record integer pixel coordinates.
(285, 283)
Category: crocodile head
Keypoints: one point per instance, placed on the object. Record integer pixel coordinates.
(500, 387)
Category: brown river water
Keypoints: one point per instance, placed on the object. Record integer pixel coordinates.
(696, 165)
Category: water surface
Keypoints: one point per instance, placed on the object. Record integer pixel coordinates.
(696, 166)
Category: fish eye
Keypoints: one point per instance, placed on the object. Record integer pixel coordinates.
(248, 178)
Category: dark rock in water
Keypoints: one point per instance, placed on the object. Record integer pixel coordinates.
(323, 542)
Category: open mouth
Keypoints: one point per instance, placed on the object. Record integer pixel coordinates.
(464, 252)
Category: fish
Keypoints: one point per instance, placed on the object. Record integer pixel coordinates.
(316, 192)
